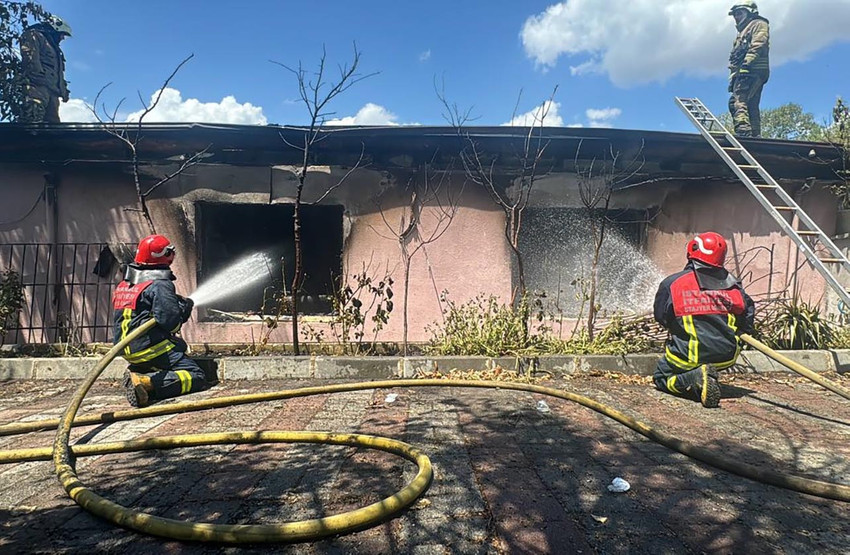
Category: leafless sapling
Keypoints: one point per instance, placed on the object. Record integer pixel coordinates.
(511, 196)
(131, 136)
(316, 91)
(423, 220)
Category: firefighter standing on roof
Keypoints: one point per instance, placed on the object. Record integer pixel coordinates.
(705, 309)
(44, 70)
(749, 67)
(159, 367)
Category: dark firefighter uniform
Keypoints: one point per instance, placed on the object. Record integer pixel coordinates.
(44, 74)
(749, 68)
(704, 308)
(148, 292)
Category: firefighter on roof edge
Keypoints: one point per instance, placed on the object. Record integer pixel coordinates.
(44, 70)
(159, 367)
(749, 67)
(704, 309)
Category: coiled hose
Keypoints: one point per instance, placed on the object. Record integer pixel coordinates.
(64, 455)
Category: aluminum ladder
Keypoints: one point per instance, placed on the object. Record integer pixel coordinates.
(760, 183)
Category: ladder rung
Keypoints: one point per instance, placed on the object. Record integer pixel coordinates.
(759, 182)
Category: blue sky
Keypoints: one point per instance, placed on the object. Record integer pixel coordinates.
(617, 63)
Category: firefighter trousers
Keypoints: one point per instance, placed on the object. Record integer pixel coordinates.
(173, 373)
(744, 104)
(40, 105)
(685, 380)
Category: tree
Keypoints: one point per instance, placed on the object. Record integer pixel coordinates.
(838, 135)
(131, 136)
(514, 195)
(597, 181)
(429, 213)
(14, 18)
(315, 92)
(788, 122)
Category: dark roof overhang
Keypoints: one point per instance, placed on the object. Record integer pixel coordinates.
(661, 154)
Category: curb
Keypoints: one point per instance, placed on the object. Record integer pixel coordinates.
(369, 368)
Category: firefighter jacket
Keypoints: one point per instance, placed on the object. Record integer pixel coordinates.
(148, 292)
(704, 309)
(43, 61)
(751, 48)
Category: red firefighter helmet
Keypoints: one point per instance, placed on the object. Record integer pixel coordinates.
(155, 250)
(708, 247)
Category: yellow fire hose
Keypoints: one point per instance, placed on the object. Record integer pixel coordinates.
(64, 456)
(799, 368)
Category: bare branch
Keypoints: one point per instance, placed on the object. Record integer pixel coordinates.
(357, 165)
(189, 162)
(149, 109)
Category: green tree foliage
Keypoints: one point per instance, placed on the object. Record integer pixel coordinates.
(14, 18)
(788, 122)
(839, 131)
(11, 300)
(838, 134)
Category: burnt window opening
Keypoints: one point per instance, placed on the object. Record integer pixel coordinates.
(557, 245)
(227, 232)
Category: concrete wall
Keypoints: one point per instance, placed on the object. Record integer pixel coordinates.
(469, 258)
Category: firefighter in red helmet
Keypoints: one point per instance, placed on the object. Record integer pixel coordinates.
(704, 308)
(159, 367)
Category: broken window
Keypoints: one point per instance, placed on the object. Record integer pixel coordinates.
(227, 232)
(558, 246)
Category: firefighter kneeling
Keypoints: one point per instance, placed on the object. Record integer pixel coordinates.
(705, 309)
(159, 368)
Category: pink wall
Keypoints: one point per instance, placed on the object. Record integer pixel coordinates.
(727, 209)
(470, 258)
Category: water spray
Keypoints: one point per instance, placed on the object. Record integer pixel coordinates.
(240, 275)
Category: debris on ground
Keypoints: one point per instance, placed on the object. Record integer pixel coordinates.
(618, 485)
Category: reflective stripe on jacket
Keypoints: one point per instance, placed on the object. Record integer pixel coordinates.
(703, 324)
(136, 303)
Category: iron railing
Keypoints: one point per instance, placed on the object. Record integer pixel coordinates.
(67, 291)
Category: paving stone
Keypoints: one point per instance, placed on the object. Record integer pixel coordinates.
(507, 478)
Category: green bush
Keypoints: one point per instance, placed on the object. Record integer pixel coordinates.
(617, 337)
(795, 324)
(11, 300)
(484, 326)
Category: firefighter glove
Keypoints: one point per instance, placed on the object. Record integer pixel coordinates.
(186, 306)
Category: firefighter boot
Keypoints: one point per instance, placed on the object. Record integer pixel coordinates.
(700, 384)
(710, 390)
(138, 389)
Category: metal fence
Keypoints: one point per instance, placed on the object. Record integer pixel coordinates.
(67, 291)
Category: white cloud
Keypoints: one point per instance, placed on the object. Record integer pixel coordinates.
(640, 41)
(75, 111)
(425, 56)
(547, 112)
(602, 117)
(370, 114)
(172, 108)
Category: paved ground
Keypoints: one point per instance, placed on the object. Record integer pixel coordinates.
(509, 478)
